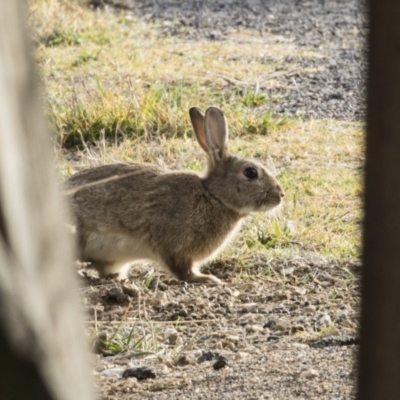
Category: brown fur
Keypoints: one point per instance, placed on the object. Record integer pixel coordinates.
(177, 219)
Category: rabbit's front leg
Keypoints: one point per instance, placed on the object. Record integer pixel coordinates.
(186, 270)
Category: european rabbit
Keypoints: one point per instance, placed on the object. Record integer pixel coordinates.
(128, 212)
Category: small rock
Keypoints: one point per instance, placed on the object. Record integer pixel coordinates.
(282, 325)
(300, 290)
(113, 372)
(140, 373)
(158, 386)
(270, 324)
(325, 320)
(182, 361)
(171, 335)
(242, 355)
(116, 295)
(130, 289)
(220, 363)
(207, 356)
(218, 334)
(341, 316)
(227, 291)
(300, 346)
(183, 313)
(232, 338)
(310, 374)
(249, 307)
(159, 299)
(254, 328)
(128, 385)
(310, 309)
(228, 345)
(287, 271)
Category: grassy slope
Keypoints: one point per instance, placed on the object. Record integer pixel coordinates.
(114, 80)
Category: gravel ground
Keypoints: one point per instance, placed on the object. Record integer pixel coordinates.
(334, 30)
(291, 336)
(286, 336)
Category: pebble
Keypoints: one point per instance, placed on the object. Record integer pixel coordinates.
(310, 374)
(130, 289)
(300, 346)
(220, 363)
(282, 325)
(171, 335)
(182, 361)
(129, 384)
(299, 290)
(249, 307)
(309, 309)
(254, 328)
(325, 320)
(288, 271)
(232, 338)
(228, 345)
(242, 355)
(159, 299)
(115, 294)
(114, 372)
(140, 373)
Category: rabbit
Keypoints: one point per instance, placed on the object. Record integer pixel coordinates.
(180, 220)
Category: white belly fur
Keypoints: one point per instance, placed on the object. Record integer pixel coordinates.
(117, 248)
(123, 250)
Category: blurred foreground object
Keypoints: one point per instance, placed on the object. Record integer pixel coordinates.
(42, 352)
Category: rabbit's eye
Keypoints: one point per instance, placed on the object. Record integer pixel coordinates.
(251, 173)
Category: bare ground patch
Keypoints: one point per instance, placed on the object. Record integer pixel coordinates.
(282, 330)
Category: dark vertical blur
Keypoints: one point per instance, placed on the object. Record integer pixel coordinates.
(379, 368)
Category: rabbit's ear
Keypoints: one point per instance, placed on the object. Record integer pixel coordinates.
(197, 118)
(216, 132)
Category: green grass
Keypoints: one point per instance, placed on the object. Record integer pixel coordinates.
(107, 71)
(111, 80)
(140, 340)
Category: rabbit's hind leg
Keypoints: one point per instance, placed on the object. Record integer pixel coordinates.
(203, 278)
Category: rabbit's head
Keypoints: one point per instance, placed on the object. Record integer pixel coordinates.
(241, 184)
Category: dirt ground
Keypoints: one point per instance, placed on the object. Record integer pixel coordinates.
(274, 330)
(258, 337)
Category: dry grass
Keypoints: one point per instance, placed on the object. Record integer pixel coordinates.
(107, 71)
(113, 80)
